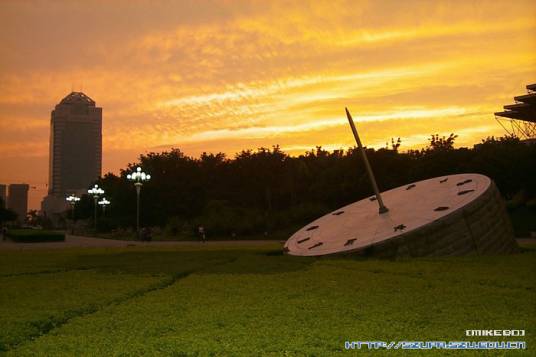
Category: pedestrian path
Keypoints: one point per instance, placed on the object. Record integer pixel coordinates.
(72, 241)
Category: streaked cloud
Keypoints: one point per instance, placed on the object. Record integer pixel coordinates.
(226, 76)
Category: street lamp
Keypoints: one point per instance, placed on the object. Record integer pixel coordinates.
(138, 177)
(95, 191)
(104, 202)
(72, 200)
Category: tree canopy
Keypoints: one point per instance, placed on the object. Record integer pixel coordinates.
(6, 215)
(266, 189)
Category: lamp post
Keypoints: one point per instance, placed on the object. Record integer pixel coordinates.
(95, 191)
(72, 200)
(104, 202)
(138, 177)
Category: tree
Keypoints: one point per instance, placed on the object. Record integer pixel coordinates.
(266, 189)
(395, 145)
(441, 143)
(6, 215)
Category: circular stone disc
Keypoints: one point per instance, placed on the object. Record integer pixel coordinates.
(359, 225)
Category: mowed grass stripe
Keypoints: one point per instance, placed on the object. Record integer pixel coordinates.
(274, 305)
(33, 305)
(14, 263)
(481, 270)
(54, 271)
(61, 296)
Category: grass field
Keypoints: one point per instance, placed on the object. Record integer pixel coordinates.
(253, 301)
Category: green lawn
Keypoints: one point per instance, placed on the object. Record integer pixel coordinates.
(252, 301)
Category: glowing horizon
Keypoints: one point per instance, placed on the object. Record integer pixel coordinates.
(225, 76)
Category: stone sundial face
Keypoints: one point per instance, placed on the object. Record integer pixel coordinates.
(411, 207)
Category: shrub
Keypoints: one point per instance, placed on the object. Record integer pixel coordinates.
(35, 236)
(176, 226)
(105, 225)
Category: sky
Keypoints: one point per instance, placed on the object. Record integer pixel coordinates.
(222, 76)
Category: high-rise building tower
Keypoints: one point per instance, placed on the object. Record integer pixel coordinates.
(75, 149)
(17, 200)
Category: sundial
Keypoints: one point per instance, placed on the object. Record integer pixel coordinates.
(446, 215)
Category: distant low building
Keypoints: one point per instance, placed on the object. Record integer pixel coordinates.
(75, 150)
(17, 200)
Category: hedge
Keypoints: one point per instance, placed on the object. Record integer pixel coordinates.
(35, 236)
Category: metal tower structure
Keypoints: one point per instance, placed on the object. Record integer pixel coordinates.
(519, 119)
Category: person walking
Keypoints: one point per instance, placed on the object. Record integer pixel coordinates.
(202, 234)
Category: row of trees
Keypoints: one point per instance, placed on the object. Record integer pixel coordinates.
(267, 190)
(6, 215)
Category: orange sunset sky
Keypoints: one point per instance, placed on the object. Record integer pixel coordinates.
(231, 75)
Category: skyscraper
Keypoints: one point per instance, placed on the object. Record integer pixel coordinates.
(75, 149)
(17, 200)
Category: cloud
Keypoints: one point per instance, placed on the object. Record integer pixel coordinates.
(224, 76)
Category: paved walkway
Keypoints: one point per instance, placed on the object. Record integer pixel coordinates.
(89, 242)
(527, 241)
